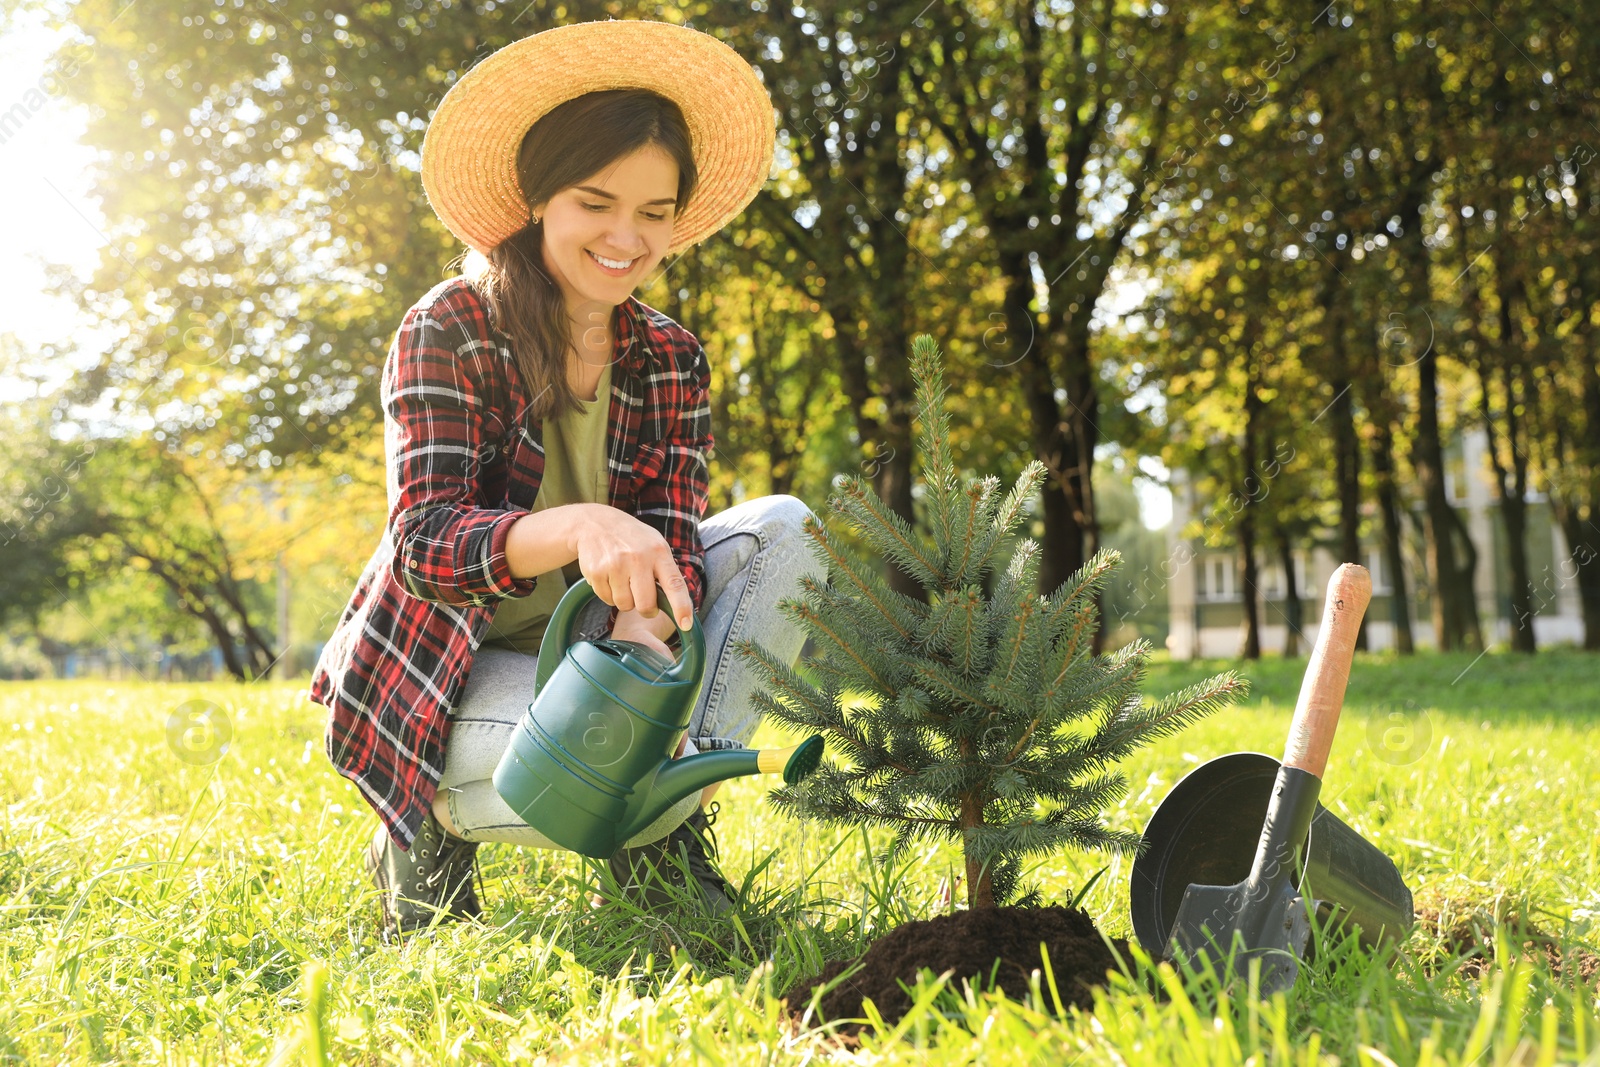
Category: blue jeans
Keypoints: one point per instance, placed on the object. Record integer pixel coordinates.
(755, 556)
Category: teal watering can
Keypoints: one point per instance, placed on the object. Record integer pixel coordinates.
(590, 762)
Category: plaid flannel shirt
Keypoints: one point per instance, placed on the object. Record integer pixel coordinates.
(463, 464)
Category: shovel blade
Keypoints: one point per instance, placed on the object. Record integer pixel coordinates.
(1222, 921)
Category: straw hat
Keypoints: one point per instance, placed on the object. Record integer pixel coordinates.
(469, 153)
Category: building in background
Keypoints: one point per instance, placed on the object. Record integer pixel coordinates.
(1206, 607)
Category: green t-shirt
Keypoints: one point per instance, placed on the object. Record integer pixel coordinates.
(574, 473)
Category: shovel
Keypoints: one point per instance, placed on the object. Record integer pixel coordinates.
(1266, 917)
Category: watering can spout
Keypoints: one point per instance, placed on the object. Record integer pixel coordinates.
(679, 777)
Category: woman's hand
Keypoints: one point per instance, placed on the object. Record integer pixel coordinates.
(630, 627)
(625, 560)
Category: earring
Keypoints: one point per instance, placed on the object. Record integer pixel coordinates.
(535, 218)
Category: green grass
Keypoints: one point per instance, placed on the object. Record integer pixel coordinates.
(153, 911)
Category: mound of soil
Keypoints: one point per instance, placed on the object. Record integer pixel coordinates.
(969, 943)
(1471, 937)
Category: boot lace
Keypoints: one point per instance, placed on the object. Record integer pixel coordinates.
(698, 836)
(452, 852)
(707, 817)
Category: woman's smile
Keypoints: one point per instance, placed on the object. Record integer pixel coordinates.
(615, 268)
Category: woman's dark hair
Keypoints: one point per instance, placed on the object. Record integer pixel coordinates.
(573, 141)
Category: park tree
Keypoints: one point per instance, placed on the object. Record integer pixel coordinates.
(1240, 322)
(194, 549)
(1512, 215)
(1063, 131)
(1393, 158)
(842, 207)
(1565, 430)
(986, 717)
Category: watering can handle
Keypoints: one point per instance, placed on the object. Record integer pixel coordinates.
(558, 636)
(1316, 713)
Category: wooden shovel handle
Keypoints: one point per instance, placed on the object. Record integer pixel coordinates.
(1316, 714)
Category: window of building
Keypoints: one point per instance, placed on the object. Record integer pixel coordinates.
(1455, 477)
(1375, 567)
(1216, 573)
(1272, 581)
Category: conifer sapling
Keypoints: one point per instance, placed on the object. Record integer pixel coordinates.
(984, 717)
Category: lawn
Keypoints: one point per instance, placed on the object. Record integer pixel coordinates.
(161, 911)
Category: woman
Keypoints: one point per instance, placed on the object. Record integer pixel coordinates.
(542, 424)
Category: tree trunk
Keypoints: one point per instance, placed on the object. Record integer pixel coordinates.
(980, 883)
(1249, 580)
(1064, 436)
(1439, 518)
(1511, 485)
(1393, 532)
(1585, 544)
(891, 311)
(1249, 585)
(1507, 355)
(1347, 475)
(1292, 608)
(1583, 537)
(262, 657)
(1577, 507)
(1514, 514)
(194, 603)
(1584, 565)
(1452, 558)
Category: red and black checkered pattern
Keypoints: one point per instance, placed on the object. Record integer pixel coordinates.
(463, 463)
